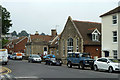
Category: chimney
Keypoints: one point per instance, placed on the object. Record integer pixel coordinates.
(36, 33)
(53, 32)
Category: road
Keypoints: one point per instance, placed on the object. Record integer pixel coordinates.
(23, 69)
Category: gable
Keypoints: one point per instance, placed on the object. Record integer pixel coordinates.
(70, 29)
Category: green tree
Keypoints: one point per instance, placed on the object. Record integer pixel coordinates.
(14, 33)
(23, 33)
(6, 22)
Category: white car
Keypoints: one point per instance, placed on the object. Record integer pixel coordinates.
(107, 64)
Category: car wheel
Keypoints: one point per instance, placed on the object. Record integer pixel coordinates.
(50, 63)
(69, 65)
(28, 61)
(81, 65)
(110, 70)
(95, 68)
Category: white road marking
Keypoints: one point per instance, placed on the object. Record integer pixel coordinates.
(27, 77)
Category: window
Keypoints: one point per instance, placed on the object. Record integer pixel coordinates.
(114, 18)
(77, 44)
(45, 48)
(114, 36)
(95, 36)
(70, 45)
(115, 54)
(63, 48)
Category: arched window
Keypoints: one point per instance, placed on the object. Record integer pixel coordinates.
(70, 45)
(63, 48)
(77, 40)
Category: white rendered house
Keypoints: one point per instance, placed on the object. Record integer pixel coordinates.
(111, 33)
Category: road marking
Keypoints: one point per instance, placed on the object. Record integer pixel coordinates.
(27, 77)
(5, 71)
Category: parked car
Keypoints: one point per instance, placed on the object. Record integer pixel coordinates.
(107, 64)
(81, 60)
(51, 60)
(17, 56)
(34, 58)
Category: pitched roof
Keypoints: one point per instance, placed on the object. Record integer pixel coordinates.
(116, 10)
(46, 38)
(15, 40)
(54, 42)
(85, 28)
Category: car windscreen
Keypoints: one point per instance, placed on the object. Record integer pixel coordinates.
(36, 56)
(86, 55)
(115, 60)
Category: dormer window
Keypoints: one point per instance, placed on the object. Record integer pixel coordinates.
(95, 35)
(114, 19)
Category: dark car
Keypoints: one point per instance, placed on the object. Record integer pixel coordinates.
(34, 58)
(51, 60)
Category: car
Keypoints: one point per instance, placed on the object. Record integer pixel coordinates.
(17, 55)
(107, 64)
(34, 58)
(51, 60)
(81, 60)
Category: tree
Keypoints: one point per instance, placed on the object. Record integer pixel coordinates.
(42, 34)
(23, 33)
(14, 33)
(6, 22)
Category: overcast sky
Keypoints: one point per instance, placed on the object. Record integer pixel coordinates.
(44, 15)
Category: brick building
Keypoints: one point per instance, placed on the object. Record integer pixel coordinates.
(17, 45)
(80, 36)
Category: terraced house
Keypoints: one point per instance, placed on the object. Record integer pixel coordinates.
(111, 33)
(80, 36)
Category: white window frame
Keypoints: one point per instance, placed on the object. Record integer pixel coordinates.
(95, 35)
(63, 48)
(77, 43)
(114, 19)
(70, 47)
(115, 37)
(115, 54)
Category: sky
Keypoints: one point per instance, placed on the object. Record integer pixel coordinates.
(44, 15)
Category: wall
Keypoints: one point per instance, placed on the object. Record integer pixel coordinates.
(95, 51)
(107, 35)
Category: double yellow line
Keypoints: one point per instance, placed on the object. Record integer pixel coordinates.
(5, 69)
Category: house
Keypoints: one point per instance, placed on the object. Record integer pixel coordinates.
(16, 45)
(53, 47)
(111, 34)
(39, 44)
(80, 36)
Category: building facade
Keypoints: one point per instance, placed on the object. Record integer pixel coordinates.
(39, 44)
(17, 45)
(110, 34)
(80, 36)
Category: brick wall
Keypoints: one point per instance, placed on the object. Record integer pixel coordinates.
(93, 50)
(20, 47)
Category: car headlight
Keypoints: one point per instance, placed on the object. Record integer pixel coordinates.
(117, 65)
(53, 61)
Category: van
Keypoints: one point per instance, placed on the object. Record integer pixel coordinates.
(4, 56)
(17, 56)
